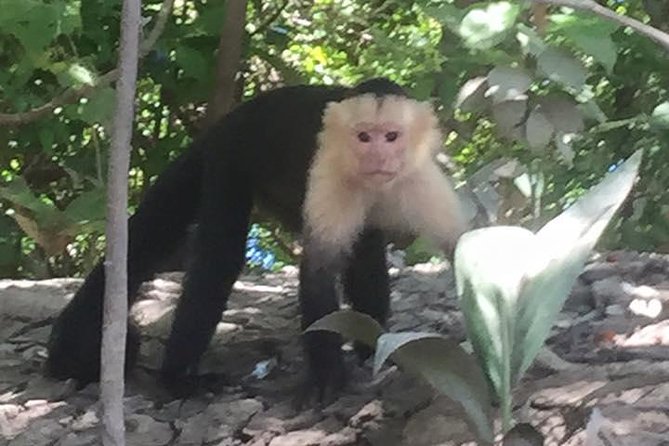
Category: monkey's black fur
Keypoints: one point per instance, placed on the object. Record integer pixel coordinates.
(260, 153)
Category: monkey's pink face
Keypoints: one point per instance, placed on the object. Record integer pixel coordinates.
(380, 151)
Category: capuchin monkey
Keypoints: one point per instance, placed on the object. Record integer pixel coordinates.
(342, 166)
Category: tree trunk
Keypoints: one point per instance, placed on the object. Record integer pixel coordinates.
(229, 55)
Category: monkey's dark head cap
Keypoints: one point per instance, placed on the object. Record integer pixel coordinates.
(379, 86)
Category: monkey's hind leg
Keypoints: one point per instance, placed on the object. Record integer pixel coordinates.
(218, 259)
(158, 227)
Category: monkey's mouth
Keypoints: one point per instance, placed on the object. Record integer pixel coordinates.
(380, 176)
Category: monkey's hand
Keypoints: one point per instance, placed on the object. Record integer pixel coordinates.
(326, 372)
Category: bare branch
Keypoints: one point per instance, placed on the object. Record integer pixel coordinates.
(72, 95)
(589, 5)
(115, 309)
(158, 28)
(264, 25)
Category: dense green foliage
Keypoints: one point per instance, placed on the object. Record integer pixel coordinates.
(567, 101)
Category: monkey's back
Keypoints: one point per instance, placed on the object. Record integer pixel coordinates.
(276, 140)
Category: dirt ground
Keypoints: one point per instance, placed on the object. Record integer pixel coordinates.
(607, 382)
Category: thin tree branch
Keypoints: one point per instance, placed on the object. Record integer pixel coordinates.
(264, 25)
(72, 95)
(115, 309)
(590, 6)
(158, 28)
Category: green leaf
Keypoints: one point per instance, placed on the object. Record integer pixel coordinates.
(563, 113)
(471, 96)
(446, 14)
(350, 324)
(483, 28)
(508, 83)
(512, 283)
(100, 106)
(88, 207)
(18, 193)
(565, 244)
(660, 116)
(590, 34)
(561, 67)
(448, 368)
(509, 117)
(538, 129)
(530, 41)
(489, 266)
(81, 74)
(192, 62)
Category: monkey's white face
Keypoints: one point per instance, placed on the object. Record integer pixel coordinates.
(374, 141)
(380, 149)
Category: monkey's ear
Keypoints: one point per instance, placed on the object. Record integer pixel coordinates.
(425, 135)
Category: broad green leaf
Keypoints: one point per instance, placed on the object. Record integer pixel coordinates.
(510, 116)
(562, 113)
(538, 129)
(490, 264)
(18, 193)
(89, 207)
(565, 244)
(447, 367)
(507, 83)
(471, 96)
(485, 27)
(590, 34)
(660, 116)
(100, 106)
(81, 74)
(529, 40)
(350, 324)
(561, 67)
(512, 283)
(446, 14)
(192, 62)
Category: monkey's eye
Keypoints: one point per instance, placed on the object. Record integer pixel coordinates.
(391, 136)
(364, 137)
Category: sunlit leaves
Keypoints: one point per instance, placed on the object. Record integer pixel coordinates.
(507, 83)
(471, 96)
(99, 108)
(484, 27)
(590, 34)
(36, 23)
(193, 63)
(660, 116)
(561, 67)
(81, 74)
(539, 130)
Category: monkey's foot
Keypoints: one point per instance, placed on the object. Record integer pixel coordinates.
(326, 373)
(74, 350)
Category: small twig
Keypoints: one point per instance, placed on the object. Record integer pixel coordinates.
(590, 6)
(264, 25)
(72, 95)
(158, 28)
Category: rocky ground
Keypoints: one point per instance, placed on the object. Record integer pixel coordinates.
(609, 379)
